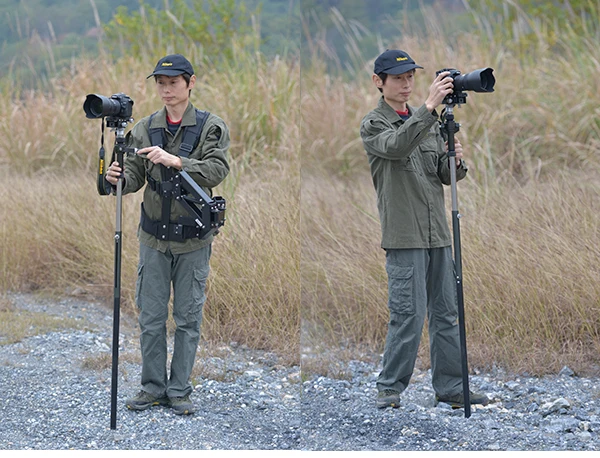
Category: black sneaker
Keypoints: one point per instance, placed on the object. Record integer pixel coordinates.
(182, 405)
(144, 400)
(388, 398)
(457, 401)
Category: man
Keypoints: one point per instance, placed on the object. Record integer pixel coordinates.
(409, 166)
(170, 256)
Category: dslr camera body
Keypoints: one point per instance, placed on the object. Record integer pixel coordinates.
(480, 80)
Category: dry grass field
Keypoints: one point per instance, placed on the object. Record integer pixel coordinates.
(301, 245)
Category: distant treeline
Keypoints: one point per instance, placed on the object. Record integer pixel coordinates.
(39, 37)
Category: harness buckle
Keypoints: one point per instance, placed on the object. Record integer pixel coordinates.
(166, 189)
(186, 148)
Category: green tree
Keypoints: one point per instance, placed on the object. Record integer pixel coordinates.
(208, 24)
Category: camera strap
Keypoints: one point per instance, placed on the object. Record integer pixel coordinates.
(103, 186)
(166, 188)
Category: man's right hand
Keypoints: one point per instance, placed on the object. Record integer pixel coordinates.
(442, 86)
(113, 173)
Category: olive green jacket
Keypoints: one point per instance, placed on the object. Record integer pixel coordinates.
(409, 166)
(207, 165)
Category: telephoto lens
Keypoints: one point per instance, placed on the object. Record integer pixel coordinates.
(99, 106)
(480, 80)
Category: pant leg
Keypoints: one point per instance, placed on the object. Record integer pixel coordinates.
(408, 304)
(443, 323)
(190, 273)
(153, 290)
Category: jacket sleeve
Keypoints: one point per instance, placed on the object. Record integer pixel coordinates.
(208, 165)
(382, 140)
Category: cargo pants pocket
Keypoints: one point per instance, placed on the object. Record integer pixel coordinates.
(400, 289)
(138, 286)
(198, 294)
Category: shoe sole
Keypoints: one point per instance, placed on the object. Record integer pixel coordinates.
(145, 406)
(392, 404)
(456, 405)
(183, 411)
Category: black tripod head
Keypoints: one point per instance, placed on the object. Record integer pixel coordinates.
(447, 124)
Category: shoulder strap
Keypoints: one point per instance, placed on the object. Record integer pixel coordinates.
(156, 133)
(191, 134)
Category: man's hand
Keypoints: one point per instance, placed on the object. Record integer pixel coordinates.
(458, 149)
(158, 155)
(113, 173)
(442, 86)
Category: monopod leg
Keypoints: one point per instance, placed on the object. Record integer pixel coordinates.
(117, 296)
(461, 316)
(451, 129)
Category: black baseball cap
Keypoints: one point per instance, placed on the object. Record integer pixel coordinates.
(394, 62)
(173, 65)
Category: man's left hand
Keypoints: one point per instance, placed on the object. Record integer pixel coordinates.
(458, 149)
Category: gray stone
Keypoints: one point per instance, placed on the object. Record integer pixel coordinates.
(512, 385)
(566, 372)
(555, 406)
(563, 425)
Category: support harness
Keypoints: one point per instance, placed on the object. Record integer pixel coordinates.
(170, 186)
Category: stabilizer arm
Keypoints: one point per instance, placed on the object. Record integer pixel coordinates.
(208, 212)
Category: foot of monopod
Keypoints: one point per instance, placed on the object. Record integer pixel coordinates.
(450, 128)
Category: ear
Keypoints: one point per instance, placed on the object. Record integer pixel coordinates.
(377, 81)
(192, 81)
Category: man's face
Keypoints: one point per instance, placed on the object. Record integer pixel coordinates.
(397, 88)
(174, 90)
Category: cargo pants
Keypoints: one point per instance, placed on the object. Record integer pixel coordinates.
(421, 281)
(187, 273)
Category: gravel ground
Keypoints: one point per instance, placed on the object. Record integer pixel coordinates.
(53, 399)
(560, 412)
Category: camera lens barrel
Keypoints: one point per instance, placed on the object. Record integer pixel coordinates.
(480, 80)
(99, 106)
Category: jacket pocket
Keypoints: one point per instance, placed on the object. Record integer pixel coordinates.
(400, 289)
(405, 164)
(430, 158)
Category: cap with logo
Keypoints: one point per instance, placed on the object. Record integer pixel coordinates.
(173, 65)
(394, 62)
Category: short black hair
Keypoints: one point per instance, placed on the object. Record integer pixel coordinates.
(383, 77)
(186, 76)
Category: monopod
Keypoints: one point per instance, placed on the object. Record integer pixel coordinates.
(118, 153)
(480, 80)
(450, 127)
(117, 110)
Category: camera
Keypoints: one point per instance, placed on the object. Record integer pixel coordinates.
(116, 106)
(480, 80)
